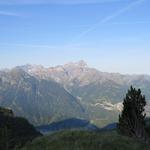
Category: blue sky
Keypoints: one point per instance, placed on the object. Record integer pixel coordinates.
(111, 35)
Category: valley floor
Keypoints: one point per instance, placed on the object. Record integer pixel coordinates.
(84, 140)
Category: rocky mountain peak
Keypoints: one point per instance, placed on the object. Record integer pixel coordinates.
(28, 67)
(80, 64)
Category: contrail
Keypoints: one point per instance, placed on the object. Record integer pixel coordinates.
(108, 18)
(130, 23)
(57, 2)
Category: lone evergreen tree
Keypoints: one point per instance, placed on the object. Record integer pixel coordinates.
(132, 118)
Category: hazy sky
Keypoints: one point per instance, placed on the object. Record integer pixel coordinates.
(111, 35)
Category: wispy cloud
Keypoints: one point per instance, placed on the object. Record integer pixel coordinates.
(110, 17)
(42, 46)
(65, 2)
(7, 13)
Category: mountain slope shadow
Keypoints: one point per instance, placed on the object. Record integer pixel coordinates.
(68, 124)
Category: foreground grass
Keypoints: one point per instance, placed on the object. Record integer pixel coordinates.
(83, 140)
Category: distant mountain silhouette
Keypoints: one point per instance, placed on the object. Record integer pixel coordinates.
(108, 127)
(68, 124)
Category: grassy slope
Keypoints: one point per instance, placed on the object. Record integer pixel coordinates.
(82, 140)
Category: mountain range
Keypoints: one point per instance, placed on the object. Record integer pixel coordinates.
(74, 90)
(40, 101)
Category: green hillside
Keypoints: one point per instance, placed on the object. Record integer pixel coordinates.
(14, 131)
(83, 140)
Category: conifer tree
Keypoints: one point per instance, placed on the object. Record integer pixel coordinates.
(132, 118)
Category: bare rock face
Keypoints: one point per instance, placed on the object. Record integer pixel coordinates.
(90, 84)
(40, 101)
(80, 73)
(80, 64)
